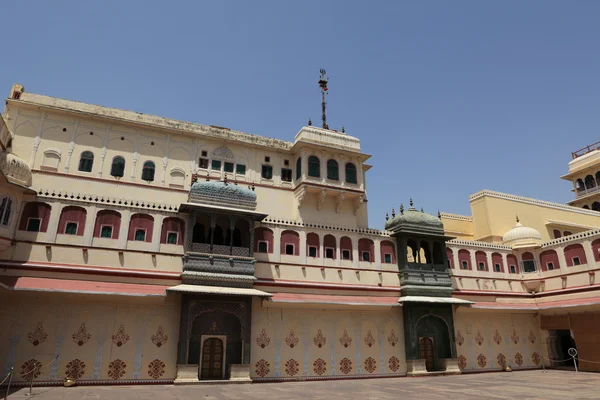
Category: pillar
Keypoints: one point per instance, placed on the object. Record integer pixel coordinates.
(377, 255)
(124, 230)
(90, 218)
(156, 231)
(560, 252)
(53, 222)
(589, 253)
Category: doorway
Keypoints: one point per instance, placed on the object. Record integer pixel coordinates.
(212, 365)
(562, 341)
(427, 352)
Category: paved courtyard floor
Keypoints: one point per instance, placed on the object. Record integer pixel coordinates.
(524, 385)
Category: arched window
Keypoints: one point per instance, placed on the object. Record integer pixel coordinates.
(148, 171)
(108, 224)
(513, 265)
(346, 248)
(438, 255)
(598, 176)
(579, 185)
(263, 240)
(140, 228)
(556, 233)
(86, 162)
(366, 249)
(299, 168)
(172, 231)
(117, 169)
(35, 217)
(575, 255)
(312, 244)
(498, 263)
(549, 260)
(72, 221)
(464, 259)
(177, 178)
(450, 257)
(290, 243)
(528, 262)
(481, 260)
(333, 172)
(425, 253)
(351, 173)
(51, 159)
(596, 206)
(586, 207)
(314, 167)
(330, 246)
(590, 182)
(388, 252)
(5, 210)
(596, 249)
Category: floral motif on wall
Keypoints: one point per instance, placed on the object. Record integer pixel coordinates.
(319, 340)
(262, 368)
(514, 337)
(497, 337)
(156, 369)
(478, 338)
(519, 359)
(159, 338)
(292, 367)
(263, 339)
(116, 369)
(460, 339)
(531, 336)
(31, 369)
(38, 335)
(370, 365)
(121, 337)
(481, 361)
(501, 360)
(82, 336)
(75, 369)
(291, 339)
(345, 366)
(345, 340)
(462, 362)
(535, 357)
(394, 363)
(369, 339)
(393, 339)
(320, 366)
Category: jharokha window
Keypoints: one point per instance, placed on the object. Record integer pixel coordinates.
(351, 173)
(140, 228)
(333, 172)
(72, 221)
(173, 231)
(117, 169)
(108, 224)
(86, 162)
(148, 171)
(314, 167)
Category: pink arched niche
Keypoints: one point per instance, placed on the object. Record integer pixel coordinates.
(329, 243)
(366, 246)
(464, 256)
(596, 249)
(575, 255)
(172, 225)
(72, 214)
(346, 247)
(513, 264)
(141, 222)
(497, 260)
(265, 235)
(312, 240)
(108, 218)
(291, 238)
(547, 257)
(35, 210)
(450, 257)
(481, 258)
(387, 247)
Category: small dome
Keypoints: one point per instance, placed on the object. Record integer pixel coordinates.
(15, 169)
(521, 236)
(415, 221)
(222, 193)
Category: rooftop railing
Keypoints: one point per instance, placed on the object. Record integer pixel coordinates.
(585, 150)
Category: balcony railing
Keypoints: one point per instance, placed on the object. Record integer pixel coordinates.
(585, 150)
(220, 249)
(582, 191)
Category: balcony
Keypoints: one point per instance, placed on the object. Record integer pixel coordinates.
(205, 248)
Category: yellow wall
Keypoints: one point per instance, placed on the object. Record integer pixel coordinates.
(303, 357)
(41, 326)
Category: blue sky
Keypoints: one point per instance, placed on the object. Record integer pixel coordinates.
(449, 97)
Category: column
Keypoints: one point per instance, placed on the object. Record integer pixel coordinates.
(37, 140)
(490, 262)
(53, 222)
(322, 249)
(338, 251)
(90, 219)
(455, 261)
(323, 159)
(252, 228)
(101, 163)
(302, 247)
(156, 231)
(377, 255)
(189, 237)
(304, 164)
(277, 244)
(231, 229)
(355, 257)
(560, 252)
(213, 224)
(589, 253)
(124, 229)
(474, 266)
(505, 265)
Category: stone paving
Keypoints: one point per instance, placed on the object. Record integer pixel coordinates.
(523, 385)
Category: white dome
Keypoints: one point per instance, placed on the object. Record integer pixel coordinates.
(521, 236)
(15, 169)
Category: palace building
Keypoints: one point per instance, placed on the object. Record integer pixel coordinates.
(141, 249)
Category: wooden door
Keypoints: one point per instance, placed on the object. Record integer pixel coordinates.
(426, 350)
(212, 359)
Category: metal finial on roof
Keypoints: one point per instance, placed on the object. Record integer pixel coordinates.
(401, 208)
(207, 178)
(253, 186)
(393, 213)
(517, 219)
(323, 86)
(309, 122)
(411, 202)
(422, 209)
(225, 178)
(439, 214)
(387, 217)
(343, 129)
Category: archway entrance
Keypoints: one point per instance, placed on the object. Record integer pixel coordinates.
(211, 364)
(434, 341)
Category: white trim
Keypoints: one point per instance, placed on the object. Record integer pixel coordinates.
(139, 229)
(218, 290)
(427, 299)
(464, 265)
(499, 267)
(29, 219)
(312, 247)
(391, 258)
(112, 230)
(362, 254)
(333, 252)
(258, 242)
(578, 260)
(548, 264)
(177, 169)
(349, 255)
(571, 224)
(293, 247)
(53, 150)
(176, 237)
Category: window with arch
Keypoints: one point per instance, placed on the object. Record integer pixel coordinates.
(590, 182)
(314, 167)
(51, 159)
(35, 217)
(596, 206)
(388, 252)
(108, 224)
(148, 171)
(333, 171)
(312, 244)
(173, 231)
(330, 246)
(72, 221)
(586, 207)
(450, 257)
(351, 173)
(263, 240)
(366, 250)
(464, 259)
(117, 168)
(579, 185)
(140, 228)
(177, 178)
(290, 243)
(5, 210)
(346, 248)
(557, 234)
(299, 168)
(86, 161)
